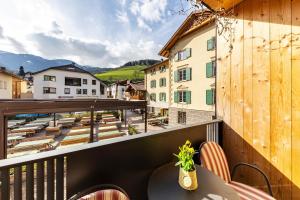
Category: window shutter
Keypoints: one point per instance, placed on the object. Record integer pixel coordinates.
(188, 97)
(189, 74)
(188, 52)
(209, 70)
(176, 56)
(176, 76)
(176, 97)
(211, 44)
(210, 97)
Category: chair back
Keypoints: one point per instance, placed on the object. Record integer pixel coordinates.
(212, 157)
(108, 194)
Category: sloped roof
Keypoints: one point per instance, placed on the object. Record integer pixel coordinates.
(137, 86)
(69, 68)
(193, 22)
(166, 61)
(218, 5)
(5, 71)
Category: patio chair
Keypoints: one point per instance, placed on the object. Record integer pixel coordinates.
(212, 157)
(102, 192)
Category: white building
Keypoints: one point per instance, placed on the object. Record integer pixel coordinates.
(117, 90)
(67, 82)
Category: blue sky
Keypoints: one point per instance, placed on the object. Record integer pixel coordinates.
(103, 33)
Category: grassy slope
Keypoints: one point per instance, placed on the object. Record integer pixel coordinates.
(124, 73)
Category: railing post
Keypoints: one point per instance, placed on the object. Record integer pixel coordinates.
(146, 115)
(3, 135)
(92, 125)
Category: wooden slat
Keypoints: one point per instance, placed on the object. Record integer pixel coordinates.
(219, 4)
(237, 88)
(29, 182)
(60, 178)
(40, 181)
(261, 87)
(248, 89)
(18, 183)
(50, 179)
(280, 139)
(5, 189)
(295, 100)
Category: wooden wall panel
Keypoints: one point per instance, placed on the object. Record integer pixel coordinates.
(261, 86)
(295, 99)
(280, 29)
(261, 104)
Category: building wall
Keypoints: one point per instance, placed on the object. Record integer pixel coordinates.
(192, 116)
(158, 89)
(6, 93)
(198, 84)
(258, 93)
(121, 91)
(59, 84)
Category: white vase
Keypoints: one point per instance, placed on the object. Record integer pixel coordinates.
(188, 180)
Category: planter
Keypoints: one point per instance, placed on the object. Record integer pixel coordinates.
(188, 180)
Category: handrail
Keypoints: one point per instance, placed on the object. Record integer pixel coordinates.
(64, 152)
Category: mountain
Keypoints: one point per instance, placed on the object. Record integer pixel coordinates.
(146, 62)
(123, 73)
(34, 63)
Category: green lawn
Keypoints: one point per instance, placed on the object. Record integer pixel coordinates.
(124, 73)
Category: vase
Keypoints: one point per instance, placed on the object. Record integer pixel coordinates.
(188, 180)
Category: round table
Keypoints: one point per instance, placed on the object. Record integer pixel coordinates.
(163, 185)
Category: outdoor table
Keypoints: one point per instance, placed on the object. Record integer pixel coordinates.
(163, 184)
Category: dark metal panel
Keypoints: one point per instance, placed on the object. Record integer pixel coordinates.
(40, 180)
(50, 179)
(3, 135)
(29, 182)
(60, 178)
(128, 164)
(18, 183)
(5, 189)
(92, 125)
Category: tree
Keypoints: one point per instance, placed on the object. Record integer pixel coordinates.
(21, 71)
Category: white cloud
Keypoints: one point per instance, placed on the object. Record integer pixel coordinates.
(135, 7)
(149, 10)
(143, 25)
(122, 16)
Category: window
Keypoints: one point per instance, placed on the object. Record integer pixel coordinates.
(102, 89)
(183, 75)
(181, 117)
(153, 84)
(67, 90)
(211, 44)
(210, 97)
(211, 69)
(183, 55)
(78, 91)
(84, 81)
(3, 85)
(49, 90)
(162, 82)
(182, 97)
(162, 97)
(72, 81)
(162, 69)
(49, 78)
(93, 82)
(153, 71)
(94, 92)
(153, 97)
(84, 91)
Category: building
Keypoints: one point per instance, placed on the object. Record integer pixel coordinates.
(157, 83)
(117, 90)
(191, 52)
(12, 86)
(135, 91)
(67, 82)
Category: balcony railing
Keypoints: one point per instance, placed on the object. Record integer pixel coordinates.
(127, 162)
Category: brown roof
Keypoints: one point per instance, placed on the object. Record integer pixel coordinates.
(218, 5)
(5, 71)
(137, 86)
(193, 22)
(157, 64)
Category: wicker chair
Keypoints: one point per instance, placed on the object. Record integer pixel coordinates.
(102, 192)
(213, 158)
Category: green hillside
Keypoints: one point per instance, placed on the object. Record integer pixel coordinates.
(123, 73)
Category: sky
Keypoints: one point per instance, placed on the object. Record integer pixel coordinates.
(100, 33)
